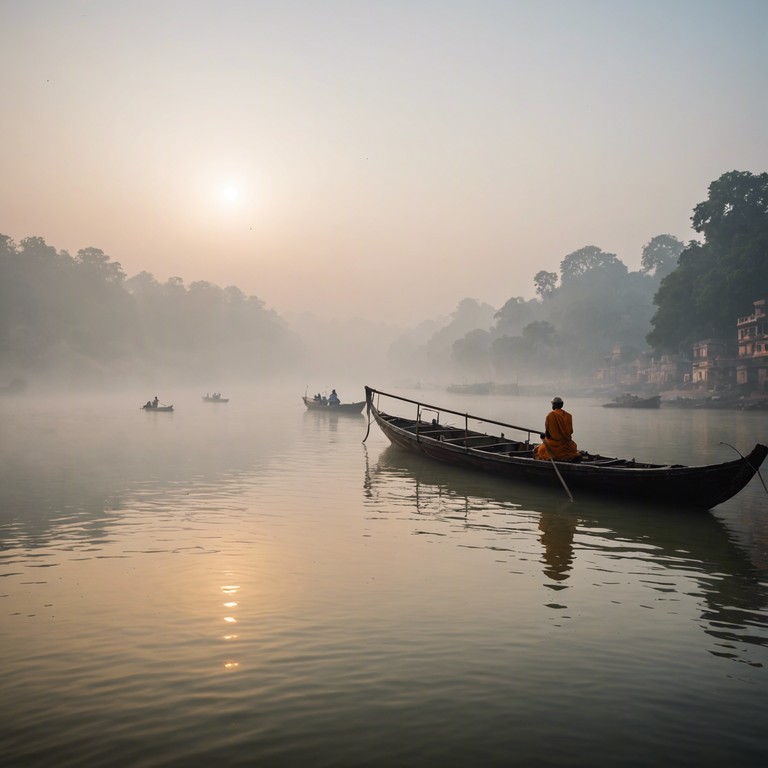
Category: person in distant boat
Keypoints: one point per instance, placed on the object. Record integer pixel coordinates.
(317, 398)
(149, 404)
(558, 434)
(333, 398)
(155, 402)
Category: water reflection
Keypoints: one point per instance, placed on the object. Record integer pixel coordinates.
(327, 420)
(230, 591)
(557, 528)
(681, 556)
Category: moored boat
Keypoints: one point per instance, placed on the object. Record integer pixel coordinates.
(701, 487)
(320, 405)
(634, 401)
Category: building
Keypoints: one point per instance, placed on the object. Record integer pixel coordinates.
(621, 367)
(665, 372)
(714, 364)
(752, 360)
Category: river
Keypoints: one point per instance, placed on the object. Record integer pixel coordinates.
(249, 584)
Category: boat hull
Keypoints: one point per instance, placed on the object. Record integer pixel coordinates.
(635, 402)
(700, 487)
(340, 408)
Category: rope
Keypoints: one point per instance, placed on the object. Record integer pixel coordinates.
(756, 470)
(368, 411)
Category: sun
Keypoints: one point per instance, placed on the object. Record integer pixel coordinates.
(229, 193)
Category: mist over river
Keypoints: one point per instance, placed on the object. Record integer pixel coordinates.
(249, 584)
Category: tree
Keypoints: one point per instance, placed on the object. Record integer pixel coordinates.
(515, 314)
(545, 283)
(471, 351)
(660, 255)
(585, 260)
(736, 208)
(717, 281)
(539, 334)
(98, 263)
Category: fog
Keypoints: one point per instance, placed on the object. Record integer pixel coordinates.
(375, 162)
(78, 322)
(204, 196)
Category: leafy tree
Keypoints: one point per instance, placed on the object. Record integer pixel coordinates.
(95, 261)
(718, 280)
(508, 355)
(515, 315)
(472, 351)
(539, 334)
(660, 255)
(469, 315)
(585, 260)
(545, 282)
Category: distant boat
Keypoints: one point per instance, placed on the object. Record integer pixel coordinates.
(633, 401)
(215, 398)
(428, 435)
(315, 405)
(153, 408)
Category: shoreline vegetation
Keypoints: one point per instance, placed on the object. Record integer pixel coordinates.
(690, 315)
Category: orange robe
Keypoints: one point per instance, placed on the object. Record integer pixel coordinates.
(558, 427)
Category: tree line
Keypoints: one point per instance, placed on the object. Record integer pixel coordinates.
(79, 318)
(681, 294)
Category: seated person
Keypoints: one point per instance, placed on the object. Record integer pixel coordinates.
(558, 433)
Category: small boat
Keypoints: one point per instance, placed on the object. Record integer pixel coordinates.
(155, 408)
(634, 401)
(215, 398)
(315, 405)
(700, 487)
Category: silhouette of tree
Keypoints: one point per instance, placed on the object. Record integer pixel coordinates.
(718, 280)
(660, 255)
(545, 282)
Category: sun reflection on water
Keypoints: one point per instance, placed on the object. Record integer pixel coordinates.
(230, 590)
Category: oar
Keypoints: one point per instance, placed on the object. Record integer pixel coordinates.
(554, 465)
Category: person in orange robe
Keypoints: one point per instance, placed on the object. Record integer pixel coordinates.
(558, 432)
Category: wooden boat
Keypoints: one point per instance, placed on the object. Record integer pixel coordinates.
(634, 401)
(692, 486)
(215, 399)
(314, 405)
(155, 408)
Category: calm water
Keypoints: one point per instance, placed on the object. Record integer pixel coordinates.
(249, 584)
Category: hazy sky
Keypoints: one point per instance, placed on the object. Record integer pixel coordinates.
(382, 159)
